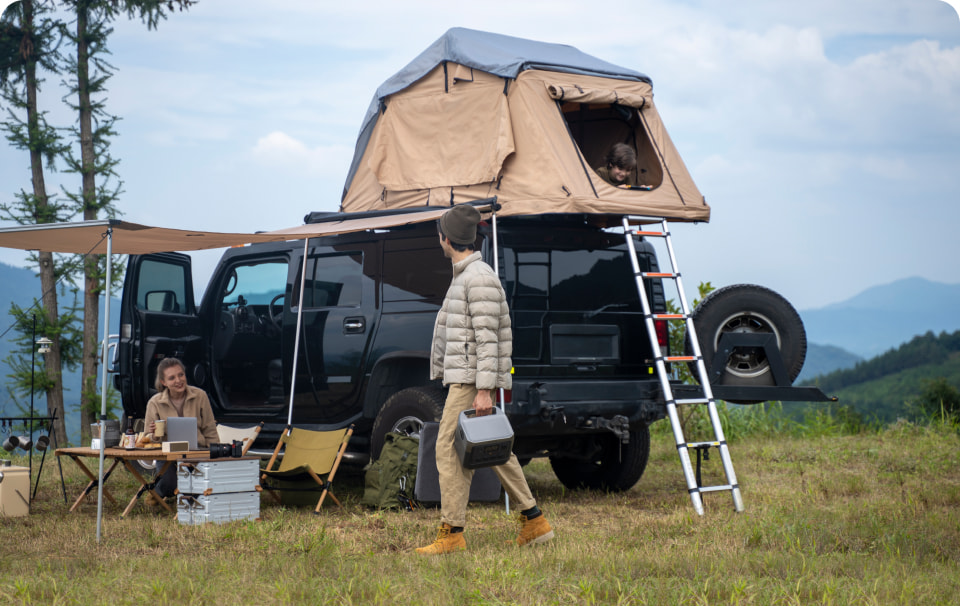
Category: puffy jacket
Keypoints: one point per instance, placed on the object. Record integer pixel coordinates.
(472, 340)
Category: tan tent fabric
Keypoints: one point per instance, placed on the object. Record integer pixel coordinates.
(546, 172)
(429, 140)
(573, 93)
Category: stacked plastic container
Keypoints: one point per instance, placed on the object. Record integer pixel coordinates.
(218, 490)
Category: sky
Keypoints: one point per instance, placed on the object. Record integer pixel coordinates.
(824, 134)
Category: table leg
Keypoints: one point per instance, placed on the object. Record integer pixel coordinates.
(145, 486)
(93, 481)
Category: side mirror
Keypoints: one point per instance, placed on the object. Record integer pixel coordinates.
(162, 300)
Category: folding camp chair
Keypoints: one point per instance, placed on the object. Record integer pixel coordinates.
(307, 454)
(247, 435)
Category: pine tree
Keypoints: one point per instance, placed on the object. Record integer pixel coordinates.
(100, 183)
(29, 41)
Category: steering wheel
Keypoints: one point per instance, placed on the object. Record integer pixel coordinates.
(276, 316)
(231, 283)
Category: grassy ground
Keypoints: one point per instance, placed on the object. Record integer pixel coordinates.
(872, 518)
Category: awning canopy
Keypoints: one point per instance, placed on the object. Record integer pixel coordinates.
(88, 237)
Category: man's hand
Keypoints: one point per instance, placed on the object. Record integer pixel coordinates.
(483, 403)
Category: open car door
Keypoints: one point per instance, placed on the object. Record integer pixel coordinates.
(158, 319)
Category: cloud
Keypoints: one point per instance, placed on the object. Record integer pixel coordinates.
(278, 150)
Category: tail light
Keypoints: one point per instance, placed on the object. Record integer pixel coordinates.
(663, 336)
(507, 396)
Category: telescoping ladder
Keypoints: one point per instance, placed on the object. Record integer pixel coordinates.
(683, 447)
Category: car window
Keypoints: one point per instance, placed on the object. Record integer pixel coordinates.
(257, 283)
(332, 281)
(162, 287)
(415, 274)
(569, 280)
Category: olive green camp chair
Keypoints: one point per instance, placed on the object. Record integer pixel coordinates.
(307, 455)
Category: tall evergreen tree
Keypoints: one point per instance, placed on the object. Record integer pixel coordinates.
(100, 184)
(29, 40)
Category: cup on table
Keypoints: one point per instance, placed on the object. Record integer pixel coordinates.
(159, 429)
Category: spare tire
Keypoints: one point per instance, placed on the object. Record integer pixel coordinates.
(747, 308)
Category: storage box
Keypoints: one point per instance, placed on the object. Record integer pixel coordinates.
(485, 486)
(217, 476)
(169, 447)
(14, 491)
(483, 441)
(218, 508)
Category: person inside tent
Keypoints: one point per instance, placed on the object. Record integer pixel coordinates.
(621, 161)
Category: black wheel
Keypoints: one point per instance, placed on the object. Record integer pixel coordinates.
(614, 467)
(405, 412)
(746, 308)
(148, 468)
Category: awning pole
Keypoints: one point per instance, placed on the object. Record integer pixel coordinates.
(103, 386)
(496, 270)
(296, 339)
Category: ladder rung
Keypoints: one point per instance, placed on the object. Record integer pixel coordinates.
(658, 274)
(679, 358)
(691, 401)
(651, 234)
(716, 488)
(691, 445)
(668, 316)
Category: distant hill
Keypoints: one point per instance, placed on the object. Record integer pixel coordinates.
(884, 387)
(824, 359)
(22, 286)
(883, 317)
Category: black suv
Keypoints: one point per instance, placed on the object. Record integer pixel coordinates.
(584, 389)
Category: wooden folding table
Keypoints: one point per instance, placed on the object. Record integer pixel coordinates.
(128, 458)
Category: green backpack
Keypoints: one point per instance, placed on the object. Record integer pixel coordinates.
(389, 481)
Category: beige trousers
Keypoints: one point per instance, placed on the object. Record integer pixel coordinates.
(455, 480)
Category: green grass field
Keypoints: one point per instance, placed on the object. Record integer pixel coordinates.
(872, 518)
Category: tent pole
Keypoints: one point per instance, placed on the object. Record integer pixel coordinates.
(103, 387)
(496, 270)
(296, 339)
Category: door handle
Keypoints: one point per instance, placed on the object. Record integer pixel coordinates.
(354, 325)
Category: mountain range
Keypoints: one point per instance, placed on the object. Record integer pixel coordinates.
(875, 321)
(21, 286)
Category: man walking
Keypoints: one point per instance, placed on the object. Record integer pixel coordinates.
(472, 345)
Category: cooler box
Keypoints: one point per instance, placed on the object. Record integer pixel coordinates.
(14, 491)
(218, 476)
(218, 508)
(483, 441)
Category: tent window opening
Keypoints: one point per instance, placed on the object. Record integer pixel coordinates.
(598, 127)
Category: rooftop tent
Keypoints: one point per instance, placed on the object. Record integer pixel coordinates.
(478, 115)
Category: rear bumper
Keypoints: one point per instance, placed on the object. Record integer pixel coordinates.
(551, 403)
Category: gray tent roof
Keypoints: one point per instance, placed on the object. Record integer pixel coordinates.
(504, 56)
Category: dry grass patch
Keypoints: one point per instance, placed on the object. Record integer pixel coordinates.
(866, 519)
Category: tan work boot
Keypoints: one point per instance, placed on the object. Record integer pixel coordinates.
(535, 531)
(447, 542)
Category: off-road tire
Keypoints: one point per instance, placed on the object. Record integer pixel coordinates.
(616, 468)
(406, 411)
(752, 309)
